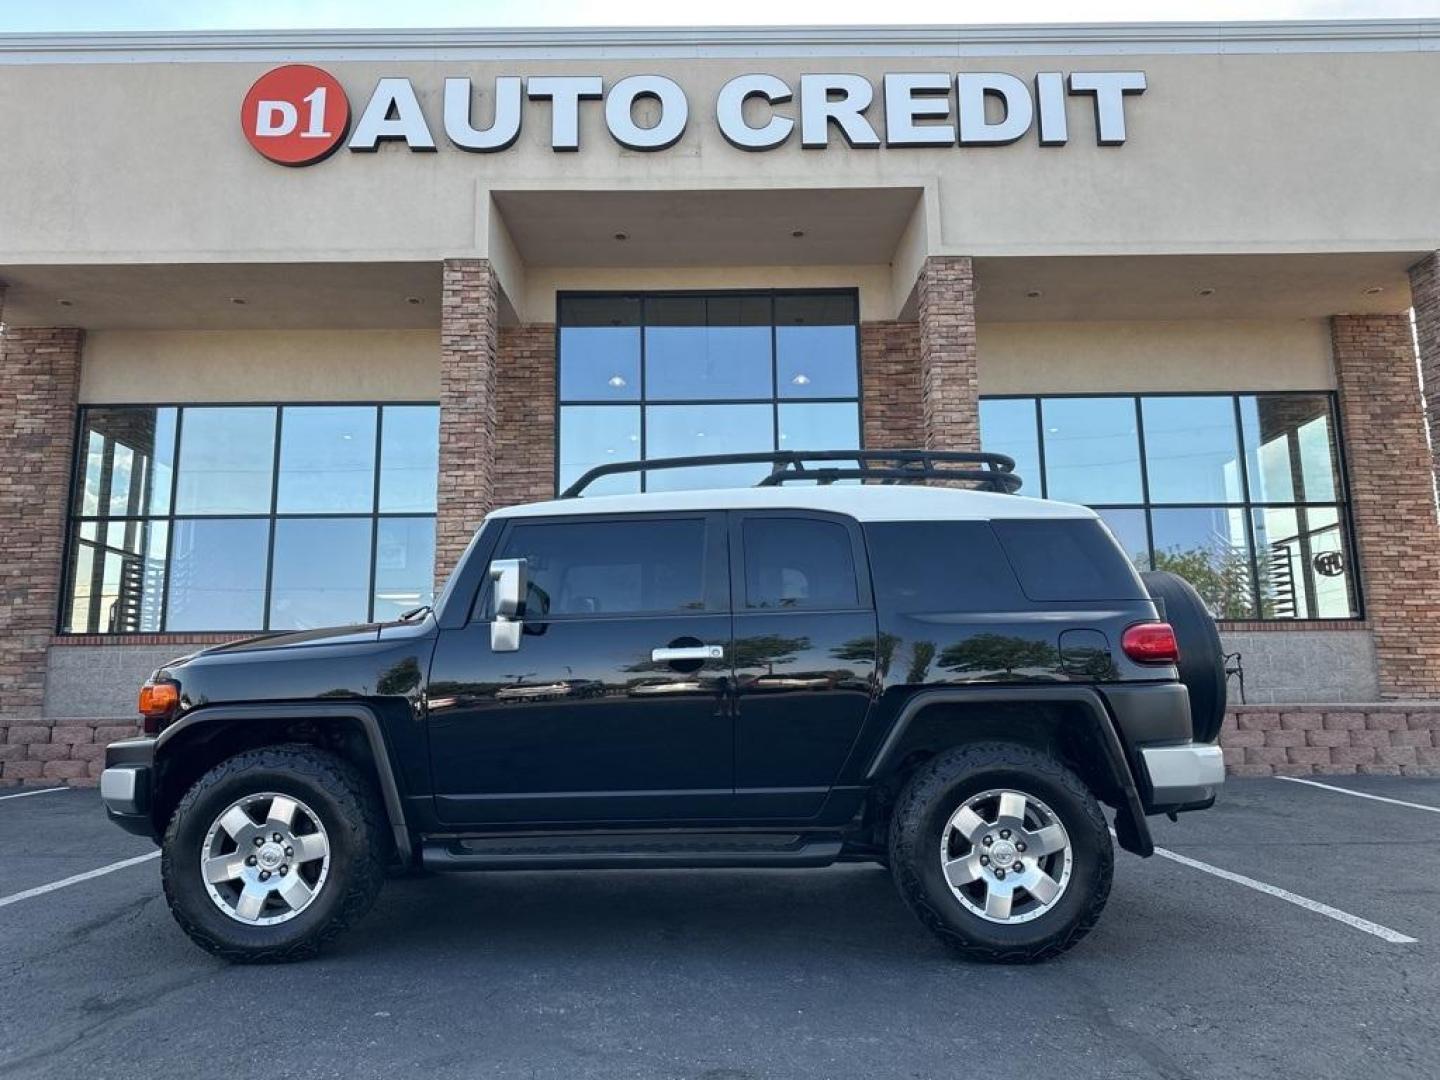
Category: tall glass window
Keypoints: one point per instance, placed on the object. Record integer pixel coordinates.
(1241, 494)
(681, 375)
(250, 517)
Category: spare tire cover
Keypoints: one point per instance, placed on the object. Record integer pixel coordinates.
(1202, 658)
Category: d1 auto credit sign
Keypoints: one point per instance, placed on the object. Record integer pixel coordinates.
(296, 115)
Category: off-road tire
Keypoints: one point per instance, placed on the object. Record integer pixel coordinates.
(923, 810)
(1202, 656)
(351, 814)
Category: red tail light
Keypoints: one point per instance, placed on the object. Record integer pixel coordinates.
(1151, 643)
(158, 704)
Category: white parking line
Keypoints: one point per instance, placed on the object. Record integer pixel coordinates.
(41, 890)
(1361, 794)
(38, 791)
(1383, 932)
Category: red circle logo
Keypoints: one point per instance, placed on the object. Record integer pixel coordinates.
(296, 114)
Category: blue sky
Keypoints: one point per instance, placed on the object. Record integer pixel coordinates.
(38, 15)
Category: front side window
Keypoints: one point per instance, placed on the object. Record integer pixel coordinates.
(1241, 494)
(611, 567)
(251, 517)
(684, 375)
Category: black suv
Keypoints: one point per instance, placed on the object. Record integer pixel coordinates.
(947, 681)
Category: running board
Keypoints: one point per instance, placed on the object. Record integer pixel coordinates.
(630, 851)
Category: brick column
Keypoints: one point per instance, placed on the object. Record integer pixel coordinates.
(949, 386)
(1392, 498)
(39, 388)
(1425, 296)
(466, 491)
(890, 377)
(525, 409)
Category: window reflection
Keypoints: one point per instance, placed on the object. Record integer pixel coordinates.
(117, 585)
(215, 550)
(600, 340)
(699, 348)
(217, 575)
(1291, 449)
(816, 346)
(712, 373)
(686, 430)
(1009, 426)
(327, 459)
(1191, 450)
(1128, 527)
(1209, 548)
(409, 458)
(126, 461)
(593, 435)
(1215, 502)
(404, 566)
(321, 575)
(1092, 449)
(1304, 572)
(227, 458)
(819, 426)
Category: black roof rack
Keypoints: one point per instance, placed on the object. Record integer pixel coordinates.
(988, 472)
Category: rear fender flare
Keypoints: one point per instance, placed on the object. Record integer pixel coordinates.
(1134, 834)
(318, 711)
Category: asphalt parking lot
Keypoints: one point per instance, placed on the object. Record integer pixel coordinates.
(725, 975)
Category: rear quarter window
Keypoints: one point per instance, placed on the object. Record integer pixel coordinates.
(940, 566)
(1068, 559)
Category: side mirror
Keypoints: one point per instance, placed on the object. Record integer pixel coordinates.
(509, 578)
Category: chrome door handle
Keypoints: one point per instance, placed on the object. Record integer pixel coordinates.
(688, 652)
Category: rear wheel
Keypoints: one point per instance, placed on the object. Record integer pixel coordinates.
(272, 853)
(1002, 852)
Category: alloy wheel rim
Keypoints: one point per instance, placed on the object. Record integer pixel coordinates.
(265, 858)
(1006, 856)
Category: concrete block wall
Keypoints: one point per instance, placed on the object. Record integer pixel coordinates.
(1391, 739)
(49, 751)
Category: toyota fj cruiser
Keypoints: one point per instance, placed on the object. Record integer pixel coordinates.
(949, 682)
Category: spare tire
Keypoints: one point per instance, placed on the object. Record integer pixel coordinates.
(1202, 658)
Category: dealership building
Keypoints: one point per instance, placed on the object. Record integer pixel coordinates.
(285, 314)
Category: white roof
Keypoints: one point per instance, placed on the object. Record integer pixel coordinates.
(899, 502)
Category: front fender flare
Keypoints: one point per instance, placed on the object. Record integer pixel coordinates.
(314, 710)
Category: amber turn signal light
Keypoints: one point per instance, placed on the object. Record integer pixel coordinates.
(158, 702)
(1151, 643)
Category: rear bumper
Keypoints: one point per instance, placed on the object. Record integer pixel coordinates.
(126, 785)
(1172, 771)
(1182, 776)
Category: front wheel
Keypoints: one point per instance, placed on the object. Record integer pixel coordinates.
(1002, 852)
(272, 853)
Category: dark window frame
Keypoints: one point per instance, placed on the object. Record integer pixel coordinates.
(1247, 506)
(642, 400)
(74, 518)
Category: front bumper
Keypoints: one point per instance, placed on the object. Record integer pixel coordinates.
(126, 785)
(1184, 775)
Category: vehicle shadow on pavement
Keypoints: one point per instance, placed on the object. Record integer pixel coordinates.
(853, 909)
